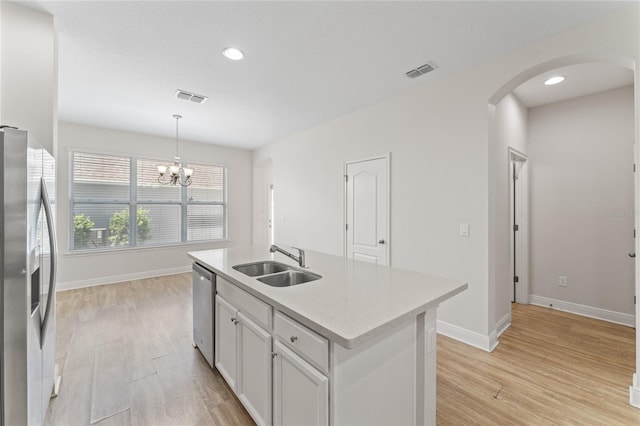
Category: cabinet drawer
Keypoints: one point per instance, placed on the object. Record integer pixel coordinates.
(256, 309)
(307, 343)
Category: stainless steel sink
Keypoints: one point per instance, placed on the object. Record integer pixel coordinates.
(266, 267)
(289, 278)
(276, 274)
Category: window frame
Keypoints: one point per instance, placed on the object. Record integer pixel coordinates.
(133, 203)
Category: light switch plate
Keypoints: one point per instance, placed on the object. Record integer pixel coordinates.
(464, 230)
(562, 281)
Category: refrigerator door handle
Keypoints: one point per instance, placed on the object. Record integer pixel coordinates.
(53, 259)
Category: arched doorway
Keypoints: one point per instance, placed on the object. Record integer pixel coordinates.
(500, 225)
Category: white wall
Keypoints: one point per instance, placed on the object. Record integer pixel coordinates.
(582, 201)
(434, 185)
(29, 72)
(509, 131)
(105, 267)
(438, 136)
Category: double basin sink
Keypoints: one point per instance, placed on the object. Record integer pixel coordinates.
(276, 274)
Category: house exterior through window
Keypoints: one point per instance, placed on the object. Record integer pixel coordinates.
(117, 202)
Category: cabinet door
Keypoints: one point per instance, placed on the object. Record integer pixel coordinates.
(300, 393)
(226, 347)
(254, 370)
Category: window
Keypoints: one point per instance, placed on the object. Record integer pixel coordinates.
(118, 202)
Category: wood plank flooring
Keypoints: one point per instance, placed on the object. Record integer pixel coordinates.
(126, 357)
(550, 367)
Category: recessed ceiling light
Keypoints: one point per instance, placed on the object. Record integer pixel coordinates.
(554, 80)
(233, 53)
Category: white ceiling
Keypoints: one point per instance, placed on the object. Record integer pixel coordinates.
(306, 62)
(581, 80)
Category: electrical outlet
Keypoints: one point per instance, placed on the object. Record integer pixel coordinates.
(562, 281)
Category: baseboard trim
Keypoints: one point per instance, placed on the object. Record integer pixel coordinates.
(70, 285)
(503, 324)
(480, 341)
(586, 311)
(634, 392)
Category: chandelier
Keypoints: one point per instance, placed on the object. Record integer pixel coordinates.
(175, 174)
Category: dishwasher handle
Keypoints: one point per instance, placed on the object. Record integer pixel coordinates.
(202, 271)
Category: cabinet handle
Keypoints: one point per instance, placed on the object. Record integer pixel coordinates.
(293, 339)
(274, 354)
(236, 322)
(233, 320)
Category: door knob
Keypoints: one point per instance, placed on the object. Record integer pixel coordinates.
(632, 255)
(381, 242)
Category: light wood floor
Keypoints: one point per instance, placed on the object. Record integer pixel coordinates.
(550, 367)
(127, 359)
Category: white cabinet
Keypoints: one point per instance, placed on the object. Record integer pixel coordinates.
(243, 358)
(305, 342)
(280, 368)
(226, 353)
(300, 392)
(254, 370)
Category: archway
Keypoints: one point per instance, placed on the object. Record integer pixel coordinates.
(498, 158)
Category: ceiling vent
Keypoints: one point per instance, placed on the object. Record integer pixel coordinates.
(187, 96)
(421, 70)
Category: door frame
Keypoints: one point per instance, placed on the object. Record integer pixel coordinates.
(271, 215)
(522, 244)
(387, 157)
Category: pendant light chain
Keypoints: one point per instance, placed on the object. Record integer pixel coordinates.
(177, 157)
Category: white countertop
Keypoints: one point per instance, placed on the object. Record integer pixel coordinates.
(352, 302)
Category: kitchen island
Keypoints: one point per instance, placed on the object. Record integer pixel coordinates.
(356, 346)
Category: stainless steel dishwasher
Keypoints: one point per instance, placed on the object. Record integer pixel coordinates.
(203, 294)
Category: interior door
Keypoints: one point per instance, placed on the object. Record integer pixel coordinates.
(271, 215)
(519, 227)
(367, 210)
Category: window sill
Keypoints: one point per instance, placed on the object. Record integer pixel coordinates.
(145, 248)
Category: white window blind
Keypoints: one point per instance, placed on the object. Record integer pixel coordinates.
(100, 177)
(159, 207)
(206, 212)
(118, 202)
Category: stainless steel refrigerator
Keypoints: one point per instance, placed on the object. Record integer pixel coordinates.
(28, 268)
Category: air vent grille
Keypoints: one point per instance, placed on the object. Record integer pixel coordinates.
(421, 70)
(198, 99)
(187, 96)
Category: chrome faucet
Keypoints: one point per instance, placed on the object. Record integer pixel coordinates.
(300, 258)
